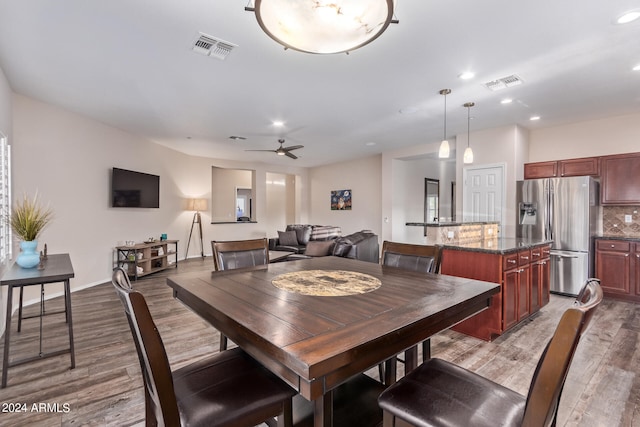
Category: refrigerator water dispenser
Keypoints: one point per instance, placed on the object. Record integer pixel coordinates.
(528, 212)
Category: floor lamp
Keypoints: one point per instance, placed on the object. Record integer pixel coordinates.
(196, 205)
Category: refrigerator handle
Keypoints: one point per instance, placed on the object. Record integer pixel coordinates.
(550, 208)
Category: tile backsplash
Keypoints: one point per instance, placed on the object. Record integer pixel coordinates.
(613, 221)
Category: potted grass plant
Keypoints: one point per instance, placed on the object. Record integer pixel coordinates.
(28, 219)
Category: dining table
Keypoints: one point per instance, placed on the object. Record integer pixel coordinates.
(320, 323)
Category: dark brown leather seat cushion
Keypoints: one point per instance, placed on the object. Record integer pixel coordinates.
(438, 388)
(246, 383)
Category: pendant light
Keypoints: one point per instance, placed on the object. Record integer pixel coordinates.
(443, 152)
(467, 158)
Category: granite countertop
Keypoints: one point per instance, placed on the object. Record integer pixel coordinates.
(617, 237)
(502, 245)
(448, 224)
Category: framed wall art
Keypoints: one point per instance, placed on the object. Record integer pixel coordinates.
(341, 200)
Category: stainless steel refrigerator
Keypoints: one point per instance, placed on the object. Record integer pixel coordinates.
(564, 210)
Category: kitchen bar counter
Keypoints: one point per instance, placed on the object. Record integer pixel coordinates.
(500, 246)
(448, 224)
(456, 232)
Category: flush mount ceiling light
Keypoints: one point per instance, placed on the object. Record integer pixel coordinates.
(323, 26)
(467, 158)
(443, 152)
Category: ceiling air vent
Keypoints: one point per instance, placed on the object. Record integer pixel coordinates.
(504, 82)
(211, 46)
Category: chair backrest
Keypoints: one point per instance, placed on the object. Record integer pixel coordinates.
(160, 398)
(422, 258)
(230, 255)
(553, 367)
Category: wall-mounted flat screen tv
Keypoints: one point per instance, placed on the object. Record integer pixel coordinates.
(130, 189)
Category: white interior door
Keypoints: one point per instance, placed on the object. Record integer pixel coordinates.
(483, 194)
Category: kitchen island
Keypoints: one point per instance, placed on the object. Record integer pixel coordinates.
(520, 266)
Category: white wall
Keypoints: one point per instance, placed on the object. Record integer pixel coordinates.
(362, 177)
(67, 158)
(612, 135)
(6, 130)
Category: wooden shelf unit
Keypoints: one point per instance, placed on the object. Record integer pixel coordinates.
(151, 256)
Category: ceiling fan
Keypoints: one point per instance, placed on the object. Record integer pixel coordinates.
(284, 151)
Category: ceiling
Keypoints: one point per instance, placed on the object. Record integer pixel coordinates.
(130, 64)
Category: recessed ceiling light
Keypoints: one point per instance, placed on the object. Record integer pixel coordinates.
(506, 101)
(534, 118)
(636, 68)
(629, 16)
(278, 123)
(467, 75)
(370, 144)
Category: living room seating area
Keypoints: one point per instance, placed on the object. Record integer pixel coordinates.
(325, 240)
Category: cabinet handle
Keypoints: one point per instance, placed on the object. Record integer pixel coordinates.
(613, 246)
(626, 254)
(512, 261)
(524, 257)
(535, 253)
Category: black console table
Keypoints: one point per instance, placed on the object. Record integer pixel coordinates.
(57, 268)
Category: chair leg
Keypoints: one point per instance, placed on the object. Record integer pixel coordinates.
(381, 372)
(223, 342)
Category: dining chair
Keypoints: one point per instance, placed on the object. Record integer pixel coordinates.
(439, 393)
(235, 254)
(419, 258)
(226, 389)
(232, 254)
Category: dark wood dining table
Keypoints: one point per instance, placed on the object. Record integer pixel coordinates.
(318, 344)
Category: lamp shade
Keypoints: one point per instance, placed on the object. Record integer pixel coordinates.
(467, 157)
(323, 26)
(197, 204)
(443, 152)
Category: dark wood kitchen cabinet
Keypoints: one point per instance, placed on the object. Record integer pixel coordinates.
(619, 184)
(618, 268)
(570, 167)
(524, 286)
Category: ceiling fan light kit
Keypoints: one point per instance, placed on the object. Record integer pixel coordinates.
(323, 26)
(283, 151)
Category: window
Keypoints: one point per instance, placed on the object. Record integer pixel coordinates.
(5, 199)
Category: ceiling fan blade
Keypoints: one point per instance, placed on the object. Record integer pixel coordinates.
(293, 156)
(293, 147)
(270, 151)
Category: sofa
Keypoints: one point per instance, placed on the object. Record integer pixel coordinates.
(306, 240)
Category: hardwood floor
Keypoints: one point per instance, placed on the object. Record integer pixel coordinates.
(105, 388)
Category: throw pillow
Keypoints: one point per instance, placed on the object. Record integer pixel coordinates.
(342, 247)
(319, 248)
(303, 232)
(287, 238)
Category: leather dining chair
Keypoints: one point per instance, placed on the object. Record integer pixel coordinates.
(419, 258)
(226, 389)
(232, 254)
(439, 393)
